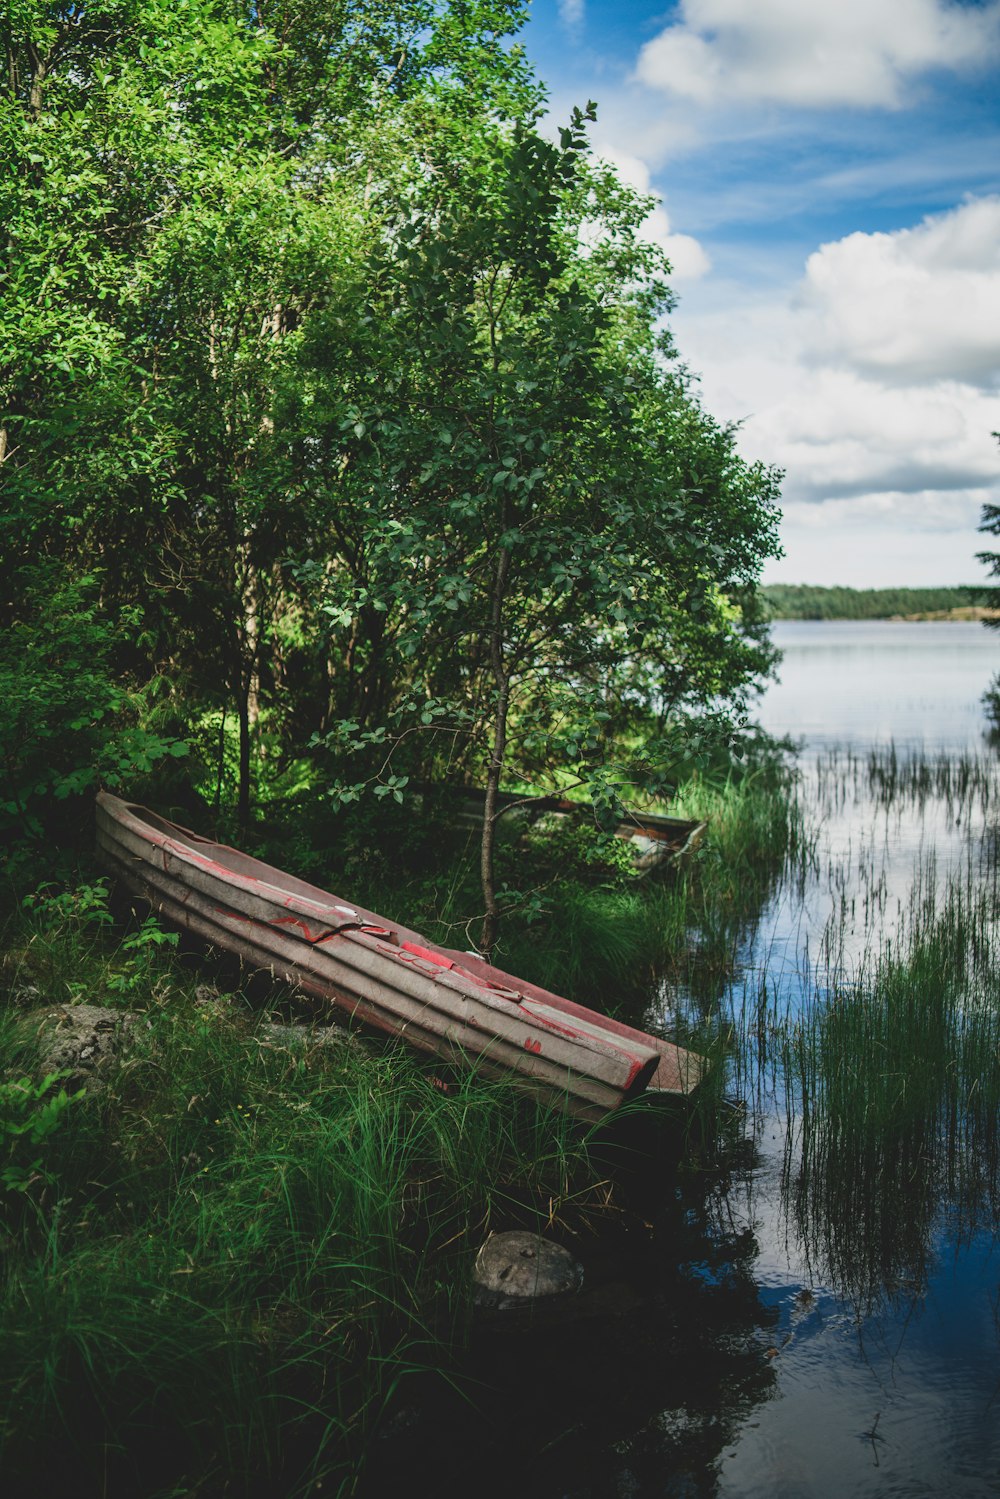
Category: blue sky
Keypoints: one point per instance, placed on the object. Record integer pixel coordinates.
(829, 172)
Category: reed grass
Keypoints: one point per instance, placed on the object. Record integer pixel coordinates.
(885, 1065)
(966, 783)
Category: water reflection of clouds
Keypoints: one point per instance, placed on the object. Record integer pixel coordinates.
(876, 1242)
(871, 859)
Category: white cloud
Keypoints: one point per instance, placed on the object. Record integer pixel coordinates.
(687, 257)
(571, 12)
(864, 551)
(918, 511)
(815, 53)
(837, 433)
(921, 303)
(874, 382)
(896, 539)
(875, 387)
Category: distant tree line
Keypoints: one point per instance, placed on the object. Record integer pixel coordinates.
(803, 601)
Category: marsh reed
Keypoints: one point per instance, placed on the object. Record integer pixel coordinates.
(878, 1048)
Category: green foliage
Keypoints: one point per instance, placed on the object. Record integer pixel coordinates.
(29, 1113)
(67, 722)
(143, 950)
(803, 601)
(84, 907)
(538, 522)
(346, 383)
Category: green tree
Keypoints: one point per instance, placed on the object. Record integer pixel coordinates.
(544, 522)
(68, 717)
(990, 523)
(192, 181)
(346, 384)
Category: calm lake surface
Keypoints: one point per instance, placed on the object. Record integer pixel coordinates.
(854, 684)
(884, 1345)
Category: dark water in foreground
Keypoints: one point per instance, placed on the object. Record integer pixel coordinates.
(885, 1356)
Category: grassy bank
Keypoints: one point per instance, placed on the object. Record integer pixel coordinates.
(226, 1247)
(230, 1243)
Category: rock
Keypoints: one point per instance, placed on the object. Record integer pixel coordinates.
(18, 981)
(325, 1037)
(78, 1038)
(25, 996)
(513, 1268)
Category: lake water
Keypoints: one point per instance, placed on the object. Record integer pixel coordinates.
(855, 683)
(848, 689)
(894, 1391)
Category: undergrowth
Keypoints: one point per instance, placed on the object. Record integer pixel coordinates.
(577, 919)
(236, 1239)
(230, 1246)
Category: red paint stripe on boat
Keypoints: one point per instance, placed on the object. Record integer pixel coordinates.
(432, 957)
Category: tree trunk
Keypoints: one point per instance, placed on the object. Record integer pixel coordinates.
(501, 681)
(243, 794)
(248, 679)
(251, 635)
(220, 766)
(39, 72)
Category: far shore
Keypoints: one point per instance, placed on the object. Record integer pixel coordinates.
(970, 611)
(788, 601)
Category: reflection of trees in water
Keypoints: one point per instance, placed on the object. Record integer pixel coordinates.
(991, 708)
(699, 1390)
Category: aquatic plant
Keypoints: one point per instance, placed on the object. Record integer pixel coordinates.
(880, 1051)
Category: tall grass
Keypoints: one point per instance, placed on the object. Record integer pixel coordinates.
(886, 1065)
(965, 783)
(239, 1244)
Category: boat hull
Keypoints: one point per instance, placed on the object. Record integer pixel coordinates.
(444, 1003)
(657, 843)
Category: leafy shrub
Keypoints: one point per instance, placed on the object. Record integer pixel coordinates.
(29, 1113)
(67, 724)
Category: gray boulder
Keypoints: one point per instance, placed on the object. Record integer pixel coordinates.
(512, 1269)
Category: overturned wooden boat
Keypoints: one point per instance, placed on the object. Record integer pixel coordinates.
(450, 1004)
(657, 843)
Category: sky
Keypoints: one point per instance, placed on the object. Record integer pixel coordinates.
(828, 175)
